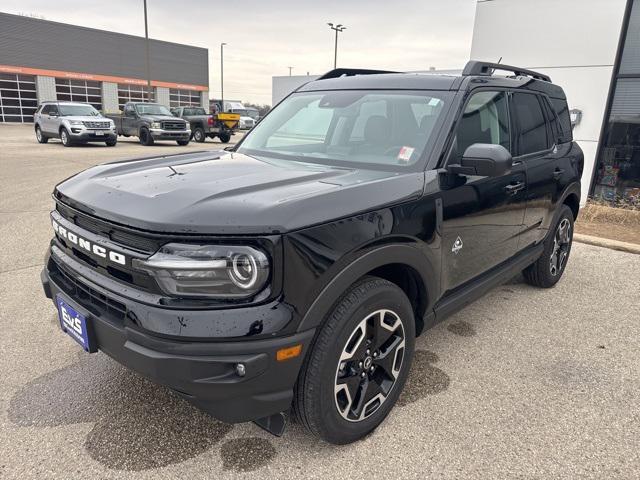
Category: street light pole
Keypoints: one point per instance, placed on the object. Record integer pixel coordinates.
(146, 45)
(222, 76)
(338, 28)
(290, 68)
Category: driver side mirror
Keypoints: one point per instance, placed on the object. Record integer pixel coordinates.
(485, 160)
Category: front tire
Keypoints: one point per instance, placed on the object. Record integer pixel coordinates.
(359, 363)
(112, 142)
(198, 135)
(41, 136)
(182, 143)
(65, 137)
(548, 269)
(145, 137)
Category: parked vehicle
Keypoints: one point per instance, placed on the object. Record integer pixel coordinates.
(203, 125)
(294, 272)
(151, 122)
(73, 123)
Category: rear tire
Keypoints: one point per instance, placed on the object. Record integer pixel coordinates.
(198, 135)
(548, 269)
(65, 138)
(338, 397)
(145, 137)
(224, 137)
(41, 136)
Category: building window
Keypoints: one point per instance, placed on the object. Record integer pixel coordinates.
(87, 91)
(132, 93)
(184, 98)
(18, 100)
(617, 175)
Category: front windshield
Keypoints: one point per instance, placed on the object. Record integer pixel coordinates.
(253, 114)
(77, 110)
(242, 113)
(382, 129)
(194, 111)
(152, 109)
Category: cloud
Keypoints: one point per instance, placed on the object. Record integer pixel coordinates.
(265, 37)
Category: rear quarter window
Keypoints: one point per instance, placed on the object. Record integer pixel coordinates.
(564, 121)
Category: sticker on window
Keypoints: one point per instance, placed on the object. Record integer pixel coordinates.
(434, 101)
(405, 154)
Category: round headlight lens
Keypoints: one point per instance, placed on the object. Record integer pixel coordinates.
(244, 270)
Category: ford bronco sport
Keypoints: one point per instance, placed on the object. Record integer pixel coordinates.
(294, 272)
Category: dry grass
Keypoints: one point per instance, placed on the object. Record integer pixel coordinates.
(627, 214)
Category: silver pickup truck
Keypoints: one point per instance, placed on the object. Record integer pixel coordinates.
(150, 122)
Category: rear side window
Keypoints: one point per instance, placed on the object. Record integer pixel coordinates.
(531, 132)
(564, 121)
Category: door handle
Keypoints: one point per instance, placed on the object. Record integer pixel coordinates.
(514, 188)
(557, 173)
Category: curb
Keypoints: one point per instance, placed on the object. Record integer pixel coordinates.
(607, 243)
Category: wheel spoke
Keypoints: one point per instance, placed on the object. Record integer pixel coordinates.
(387, 358)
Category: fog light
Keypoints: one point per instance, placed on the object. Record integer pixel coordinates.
(241, 371)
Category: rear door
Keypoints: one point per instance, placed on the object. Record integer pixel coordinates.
(482, 217)
(535, 145)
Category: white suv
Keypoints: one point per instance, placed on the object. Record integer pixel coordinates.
(73, 122)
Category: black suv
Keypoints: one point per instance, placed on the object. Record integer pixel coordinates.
(294, 272)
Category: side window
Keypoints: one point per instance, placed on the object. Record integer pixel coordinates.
(562, 109)
(46, 109)
(531, 133)
(485, 120)
(53, 109)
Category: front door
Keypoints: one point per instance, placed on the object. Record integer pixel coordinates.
(483, 217)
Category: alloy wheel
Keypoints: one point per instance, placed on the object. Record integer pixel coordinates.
(369, 365)
(561, 244)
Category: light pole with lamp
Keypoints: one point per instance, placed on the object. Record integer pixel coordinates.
(338, 28)
(222, 76)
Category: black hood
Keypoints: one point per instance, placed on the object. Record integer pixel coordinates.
(229, 193)
(158, 118)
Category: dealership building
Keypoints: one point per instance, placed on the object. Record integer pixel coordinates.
(42, 60)
(589, 47)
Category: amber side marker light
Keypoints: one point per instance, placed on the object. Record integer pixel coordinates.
(289, 352)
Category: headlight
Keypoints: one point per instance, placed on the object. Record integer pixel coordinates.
(209, 271)
(75, 122)
(156, 125)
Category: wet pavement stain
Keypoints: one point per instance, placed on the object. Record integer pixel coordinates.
(137, 425)
(462, 328)
(246, 454)
(424, 379)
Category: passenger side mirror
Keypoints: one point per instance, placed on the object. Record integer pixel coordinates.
(485, 160)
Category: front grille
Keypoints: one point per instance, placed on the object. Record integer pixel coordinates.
(171, 125)
(116, 234)
(95, 124)
(84, 294)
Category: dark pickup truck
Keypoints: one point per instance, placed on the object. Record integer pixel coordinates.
(293, 272)
(203, 125)
(150, 122)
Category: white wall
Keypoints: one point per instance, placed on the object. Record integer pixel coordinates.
(283, 86)
(45, 88)
(110, 97)
(573, 41)
(162, 96)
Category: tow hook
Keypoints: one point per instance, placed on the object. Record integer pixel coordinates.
(274, 424)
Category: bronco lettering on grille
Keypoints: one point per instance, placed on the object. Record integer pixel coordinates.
(90, 247)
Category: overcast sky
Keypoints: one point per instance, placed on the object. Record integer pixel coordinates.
(265, 37)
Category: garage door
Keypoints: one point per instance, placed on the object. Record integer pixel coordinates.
(184, 98)
(132, 93)
(79, 91)
(18, 98)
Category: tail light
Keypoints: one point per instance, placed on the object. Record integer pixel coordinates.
(210, 120)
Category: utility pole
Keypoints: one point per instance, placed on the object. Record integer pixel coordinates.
(338, 28)
(222, 76)
(146, 45)
(290, 68)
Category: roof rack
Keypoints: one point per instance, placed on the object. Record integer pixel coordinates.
(476, 67)
(350, 72)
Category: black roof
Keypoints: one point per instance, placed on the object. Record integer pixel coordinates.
(475, 74)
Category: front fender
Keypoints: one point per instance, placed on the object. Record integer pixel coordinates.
(403, 254)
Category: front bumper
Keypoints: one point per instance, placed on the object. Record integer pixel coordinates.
(160, 134)
(201, 370)
(83, 134)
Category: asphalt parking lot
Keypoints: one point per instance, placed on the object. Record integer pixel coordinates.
(524, 383)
